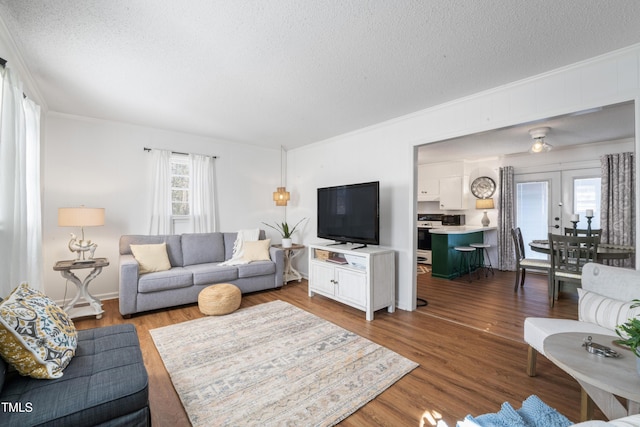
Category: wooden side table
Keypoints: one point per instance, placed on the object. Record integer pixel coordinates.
(95, 306)
(291, 273)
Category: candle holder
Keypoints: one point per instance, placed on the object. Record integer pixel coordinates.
(575, 227)
(589, 225)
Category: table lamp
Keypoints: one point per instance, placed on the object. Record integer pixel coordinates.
(484, 204)
(81, 217)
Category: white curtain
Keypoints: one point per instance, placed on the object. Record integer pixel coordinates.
(202, 192)
(161, 204)
(20, 205)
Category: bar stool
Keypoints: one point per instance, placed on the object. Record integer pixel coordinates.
(481, 252)
(465, 254)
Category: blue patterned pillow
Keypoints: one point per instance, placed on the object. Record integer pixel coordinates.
(37, 337)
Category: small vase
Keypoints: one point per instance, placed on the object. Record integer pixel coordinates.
(286, 243)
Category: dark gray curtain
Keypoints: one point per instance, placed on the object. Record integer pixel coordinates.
(506, 220)
(618, 214)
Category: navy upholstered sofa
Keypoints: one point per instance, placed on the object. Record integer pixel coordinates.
(105, 384)
(196, 260)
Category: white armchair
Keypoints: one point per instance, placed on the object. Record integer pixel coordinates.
(606, 300)
(620, 284)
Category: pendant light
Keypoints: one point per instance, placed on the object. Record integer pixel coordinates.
(281, 196)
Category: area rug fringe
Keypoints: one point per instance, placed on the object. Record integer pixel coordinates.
(274, 364)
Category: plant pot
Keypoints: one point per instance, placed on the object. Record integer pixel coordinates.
(286, 243)
(637, 362)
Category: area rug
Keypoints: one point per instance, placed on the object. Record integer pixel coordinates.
(274, 365)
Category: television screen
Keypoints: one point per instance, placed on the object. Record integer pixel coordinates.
(350, 213)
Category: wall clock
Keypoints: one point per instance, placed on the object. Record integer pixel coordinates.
(483, 187)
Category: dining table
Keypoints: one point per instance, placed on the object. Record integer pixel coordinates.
(605, 251)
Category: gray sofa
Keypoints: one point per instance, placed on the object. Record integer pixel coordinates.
(195, 264)
(105, 384)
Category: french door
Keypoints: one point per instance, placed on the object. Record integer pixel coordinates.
(546, 202)
(538, 206)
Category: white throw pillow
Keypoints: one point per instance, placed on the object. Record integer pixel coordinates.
(603, 311)
(151, 257)
(257, 251)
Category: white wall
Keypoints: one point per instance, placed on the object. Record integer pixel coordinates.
(87, 162)
(103, 164)
(386, 152)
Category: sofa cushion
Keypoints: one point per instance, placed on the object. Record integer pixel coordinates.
(630, 421)
(106, 379)
(3, 372)
(177, 277)
(603, 311)
(209, 274)
(151, 257)
(256, 268)
(174, 246)
(256, 251)
(37, 337)
(202, 248)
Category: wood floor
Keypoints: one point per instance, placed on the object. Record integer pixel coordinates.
(467, 340)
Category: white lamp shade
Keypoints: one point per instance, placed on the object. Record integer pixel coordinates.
(484, 203)
(80, 217)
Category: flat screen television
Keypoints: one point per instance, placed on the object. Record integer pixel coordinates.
(350, 213)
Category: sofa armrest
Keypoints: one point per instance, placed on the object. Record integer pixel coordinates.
(277, 256)
(129, 275)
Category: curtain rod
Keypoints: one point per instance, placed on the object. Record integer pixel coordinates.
(3, 63)
(183, 154)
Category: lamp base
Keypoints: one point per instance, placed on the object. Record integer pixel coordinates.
(485, 220)
(82, 246)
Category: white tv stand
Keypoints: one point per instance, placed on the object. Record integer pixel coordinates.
(365, 282)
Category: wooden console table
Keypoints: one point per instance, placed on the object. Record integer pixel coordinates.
(95, 306)
(361, 277)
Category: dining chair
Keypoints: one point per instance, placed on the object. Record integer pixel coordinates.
(595, 232)
(523, 263)
(568, 255)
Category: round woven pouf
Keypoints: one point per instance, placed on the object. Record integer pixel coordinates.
(217, 300)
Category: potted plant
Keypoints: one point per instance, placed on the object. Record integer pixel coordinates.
(285, 231)
(629, 333)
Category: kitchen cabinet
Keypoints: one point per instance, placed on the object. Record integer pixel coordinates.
(428, 185)
(365, 281)
(454, 192)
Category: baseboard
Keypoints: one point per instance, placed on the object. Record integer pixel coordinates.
(101, 297)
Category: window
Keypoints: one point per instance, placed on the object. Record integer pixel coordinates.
(586, 196)
(180, 180)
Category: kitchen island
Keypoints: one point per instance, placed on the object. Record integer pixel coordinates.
(445, 259)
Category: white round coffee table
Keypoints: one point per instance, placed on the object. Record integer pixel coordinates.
(602, 378)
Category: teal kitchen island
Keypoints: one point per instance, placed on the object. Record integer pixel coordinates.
(445, 259)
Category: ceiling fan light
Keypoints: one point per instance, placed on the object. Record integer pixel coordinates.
(539, 145)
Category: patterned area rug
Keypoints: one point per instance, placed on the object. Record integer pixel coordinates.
(274, 364)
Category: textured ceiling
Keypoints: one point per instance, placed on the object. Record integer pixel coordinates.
(290, 72)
